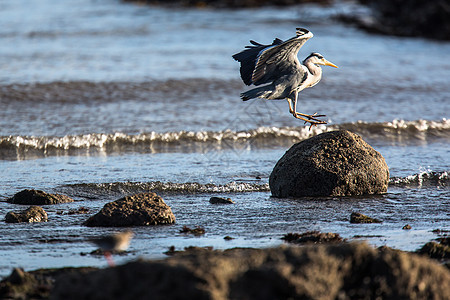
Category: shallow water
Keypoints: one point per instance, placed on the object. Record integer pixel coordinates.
(100, 99)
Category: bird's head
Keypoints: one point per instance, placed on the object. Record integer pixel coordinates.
(318, 59)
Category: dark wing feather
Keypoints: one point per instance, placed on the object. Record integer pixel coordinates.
(278, 59)
(248, 57)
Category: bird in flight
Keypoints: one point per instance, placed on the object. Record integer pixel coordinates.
(277, 64)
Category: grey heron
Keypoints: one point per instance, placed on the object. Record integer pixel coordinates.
(278, 65)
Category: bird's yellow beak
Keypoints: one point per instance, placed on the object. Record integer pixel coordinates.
(329, 63)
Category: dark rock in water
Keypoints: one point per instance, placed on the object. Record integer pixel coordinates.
(138, 210)
(37, 197)
(79, 211)
(220, 200)
(30, 215)
(337, 163)
(406, 227)
(337, 271)
(440, 231)
(356, 218)
(195, 231)
(415, 18)
(171, 251)
(313, 237)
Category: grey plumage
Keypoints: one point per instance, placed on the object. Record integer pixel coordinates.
(277, 66)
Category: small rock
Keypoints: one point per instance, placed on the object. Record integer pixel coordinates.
(193, 249)
(336, 163)
(74, 211)
(440, 231)
(228, 238)
(37, 197)
(357, 218)
(138, 210)
(171, 251)
(196, 231)
(406, 227)
(312, 237)
(30, 215)
(220, 200)
(79, 211)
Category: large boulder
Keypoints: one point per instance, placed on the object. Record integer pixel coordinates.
(30, 215)
(37, 197)
(344, 271)
(336, 163)
(136, 210)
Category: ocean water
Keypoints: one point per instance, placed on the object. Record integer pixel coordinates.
(101, 99)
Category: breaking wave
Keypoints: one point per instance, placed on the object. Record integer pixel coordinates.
(98, 190)
(426, 178)
(397, 131)
(101, 190)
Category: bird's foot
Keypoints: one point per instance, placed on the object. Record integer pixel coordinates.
(315, 115)
(314, 124)
(311, 119)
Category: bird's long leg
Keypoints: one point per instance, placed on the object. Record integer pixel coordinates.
(109, 258)
(298, 115)
(312, 119)
(290, 105)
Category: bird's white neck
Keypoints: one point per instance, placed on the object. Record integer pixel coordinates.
(314, 69)
(314, 76)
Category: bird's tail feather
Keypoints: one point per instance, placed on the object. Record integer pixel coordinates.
(254, 93)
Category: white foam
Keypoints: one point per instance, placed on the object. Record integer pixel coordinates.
(406, 130)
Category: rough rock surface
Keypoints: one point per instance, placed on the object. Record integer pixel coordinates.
(137, 210)
(220, 200)
(336, 163)
(30, 215)
(313, 237)
(357, 218)
(195, 231)
(37, 197)
(338, 271)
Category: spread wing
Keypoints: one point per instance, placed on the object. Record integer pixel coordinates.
(248, 58)
(265, 63)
